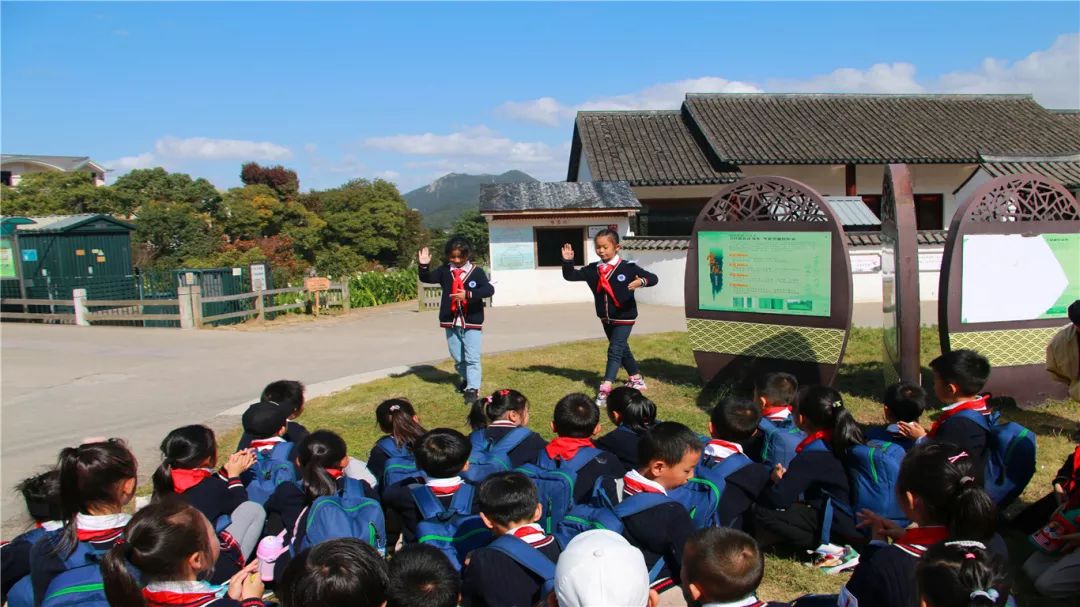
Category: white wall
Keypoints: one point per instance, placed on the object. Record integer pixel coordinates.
(669, 267)
(18, 169)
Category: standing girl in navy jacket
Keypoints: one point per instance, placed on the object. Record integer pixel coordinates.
(612, 282)
(461, 311)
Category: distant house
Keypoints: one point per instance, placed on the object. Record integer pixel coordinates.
(14, 166)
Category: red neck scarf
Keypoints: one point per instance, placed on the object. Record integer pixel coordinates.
(916, 539)
(604, 284)
(971, 405)
(335, 473)
(824, 435)
(533, 535)
(457, 287)
(1072, 485)
(634, 486)
(566, 448)
(771, 411)
(184, 478)
(98, 535)
(168, 598)
(446, 487)
(265, 443)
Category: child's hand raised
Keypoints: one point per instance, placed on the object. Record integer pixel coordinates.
(239, 462)
(778, 473)
(567, 252)
(424, 256)
(911, 430)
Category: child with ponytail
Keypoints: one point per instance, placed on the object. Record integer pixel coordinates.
(792, 508)
(499, 416)
(172, 546)
(937, 490)
(401, 427)
(188, 458)
(96, 481)
(962, 574)
(632, 414)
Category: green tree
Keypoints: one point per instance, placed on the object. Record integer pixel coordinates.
(369, 218)
(283, 181)
(59, 193)
(472, 226)
(250, 212)
(145, 185)
(170, 234)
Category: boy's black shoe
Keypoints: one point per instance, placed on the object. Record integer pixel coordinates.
(461, 387)
(471, 396)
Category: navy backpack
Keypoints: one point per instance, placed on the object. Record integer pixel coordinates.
(528, 557)
(1010, 456)
(271, 468)
(350, 513)
(81, 583)
(873, 470)
(490, 456)
(779, 442)
(454, 530)
(555, 481)
(701, 495)
(400, 463)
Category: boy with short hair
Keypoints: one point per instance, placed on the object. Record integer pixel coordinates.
(575, 421)
(959, 375)
(420, 576)
(287, 394)
(903, 402)
(509, 506)
(733, 421)
(266, 424)
(442, 455)
(775, 392)
(668, 452)
(722, 567)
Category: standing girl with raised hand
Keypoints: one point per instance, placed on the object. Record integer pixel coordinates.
(500, 415)
(172, 546)
(96, 481)
(937, 490)
(461, 310)
(962, 574)
(612, 281)
(391, 459)
(792, 509)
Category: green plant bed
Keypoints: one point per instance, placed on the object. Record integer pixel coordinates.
(546, 374)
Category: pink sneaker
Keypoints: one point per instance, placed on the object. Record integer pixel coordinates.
(602, 394)
(637, 382)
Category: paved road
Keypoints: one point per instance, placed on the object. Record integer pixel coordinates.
(62, 383)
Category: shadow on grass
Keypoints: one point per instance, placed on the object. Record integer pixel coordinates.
(578, 375)
(1036, 419)
(430, 375)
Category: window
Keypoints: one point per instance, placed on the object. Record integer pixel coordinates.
(549, 243)
(5, 177)
(929, 211)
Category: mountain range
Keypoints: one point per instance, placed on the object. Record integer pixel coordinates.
(446, 198)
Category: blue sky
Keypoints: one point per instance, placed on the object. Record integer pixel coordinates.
(412, 91)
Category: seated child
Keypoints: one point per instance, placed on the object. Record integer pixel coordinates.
(777, 436)
(498, 415)
(420, 576)
(1066, 483)
(600, 568)
(442, 455)
(42, 496)
(668, 452)
(289, 395)
(723, 567)
(188, 458)
(344, 572)
(172, 547)
(959, 375)
(732, 423)
(575, 421)
(1055, 565)
(962, 574)
(509, 506)
(904, 402)
(775, 392)
(401, 427)
(266, 424)
(791, 509)
(632, 414)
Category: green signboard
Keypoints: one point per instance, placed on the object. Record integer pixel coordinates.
(765, 272)
(1009, 277)
(7, 259)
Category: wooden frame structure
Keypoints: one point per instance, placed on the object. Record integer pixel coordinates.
(899, 277)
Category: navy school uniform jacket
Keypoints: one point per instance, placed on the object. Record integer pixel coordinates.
(294, 433)
(965, 433)
(15, 557)
(477, 287)
(621, 277)
(741, 491)
(890, 434)
(493, 579)
(603, 465)
(46, 564)
(398, 498)
(623, 443)
(813, 475)
(524, 453)
(216, 495)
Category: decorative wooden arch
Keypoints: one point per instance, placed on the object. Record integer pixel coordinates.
(1026, 205)
(735, 347)
(899, 277)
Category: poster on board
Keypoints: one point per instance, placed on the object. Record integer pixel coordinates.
(7, 259)
(765, 272)
(512, 248)
(1009, 277)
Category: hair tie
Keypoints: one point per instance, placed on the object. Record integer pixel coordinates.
(991, 594)
(488, 400)
(969, 556)
(395, 408)
(836, 404)
(504, 392)
(958, 456)
(967, 481)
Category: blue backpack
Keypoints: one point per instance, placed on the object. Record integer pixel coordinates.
(529, 558)
(490, 456)
(81, 583)
(400, 463)
(701, 496)
(555, 481)
(1010, 456)
(271, 468)
(21, 593)
(454, 530)
(779, 442)
(348, 514)
(873, 469)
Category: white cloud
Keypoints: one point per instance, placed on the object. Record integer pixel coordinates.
(668, 95)
(545, 110)
(205, 148)
(388, 175)
(878, 78)
(476, 142)
(128, 163)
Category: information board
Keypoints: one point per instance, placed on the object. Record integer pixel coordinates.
(765, 272)
(7, 259)
(1042, 274)
(512, 248)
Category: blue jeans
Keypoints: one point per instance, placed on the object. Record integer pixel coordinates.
(464, 347)
(618, 351)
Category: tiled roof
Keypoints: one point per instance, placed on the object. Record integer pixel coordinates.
(62, 223)
(64, 163)
(854, 239)
(1063, 169)
(874, 129)
(561, 195)
(644, 148)
(852, 211)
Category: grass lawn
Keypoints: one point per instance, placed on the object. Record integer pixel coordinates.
(546, 374)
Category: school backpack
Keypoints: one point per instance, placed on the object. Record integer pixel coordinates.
(80, 583)
(528, 557)
(873, 470)
(272, 467)
(21, 593)
(779, 441)
(349, 513)
(1010, 456)
(400, 463)
(701, 495)
(454, 530)
(490, 456)
(555, 481)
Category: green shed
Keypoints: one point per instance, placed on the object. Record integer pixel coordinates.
(59, 253)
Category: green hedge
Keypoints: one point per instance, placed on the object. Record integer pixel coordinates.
(378, 288)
